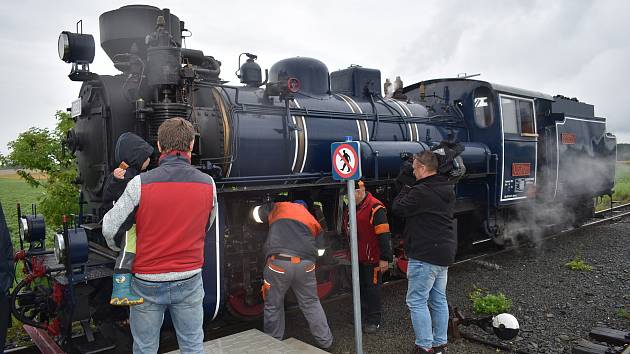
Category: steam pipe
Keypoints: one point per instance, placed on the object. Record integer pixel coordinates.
(194, 56)
(208, 71)
(375, 130)
(404, 130)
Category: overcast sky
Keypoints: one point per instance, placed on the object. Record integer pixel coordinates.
(572, 47)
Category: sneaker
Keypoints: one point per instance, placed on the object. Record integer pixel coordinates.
(371, 328)
(440, 349)
(121, 291)
(419, 350)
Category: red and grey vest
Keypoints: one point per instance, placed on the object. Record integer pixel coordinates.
(176, 201)
(367, 232)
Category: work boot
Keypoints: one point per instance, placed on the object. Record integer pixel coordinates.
(419, 350)
(440, 349)
(121, 291)
(371, 328)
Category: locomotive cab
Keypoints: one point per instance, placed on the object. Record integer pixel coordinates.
(542, 148)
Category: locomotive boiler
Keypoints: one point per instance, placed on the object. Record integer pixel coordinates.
(269, 138)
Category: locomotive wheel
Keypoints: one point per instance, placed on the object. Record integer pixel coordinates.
(31, 302)
(239, 307)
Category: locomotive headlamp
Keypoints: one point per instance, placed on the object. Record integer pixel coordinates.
(76, 247)
(256, 214)
(320, 252)
(32, 228)
(76, 47)
(23, 229)
(60, 248)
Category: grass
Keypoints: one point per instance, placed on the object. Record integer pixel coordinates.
(579, 264)
(489, 304)
(13, 190)
(623, 313)
(622, 186)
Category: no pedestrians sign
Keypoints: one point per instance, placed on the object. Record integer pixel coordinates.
(346, 160)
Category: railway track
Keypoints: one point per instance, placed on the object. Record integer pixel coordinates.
(231, 326)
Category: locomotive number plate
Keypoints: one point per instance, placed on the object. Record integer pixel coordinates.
(75, 111)
(567, 138)
(521, 169)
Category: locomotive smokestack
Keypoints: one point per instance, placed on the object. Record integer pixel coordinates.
(123, 27)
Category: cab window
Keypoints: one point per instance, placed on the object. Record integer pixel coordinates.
(508, 111)
(526, 114)
(484, 108)
(518, 116)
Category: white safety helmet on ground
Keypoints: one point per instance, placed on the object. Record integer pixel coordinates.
(505, 326)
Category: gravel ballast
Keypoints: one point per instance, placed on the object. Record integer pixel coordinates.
(555, 306)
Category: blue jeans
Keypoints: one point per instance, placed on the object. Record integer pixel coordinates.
(426, 299)
(183, 299)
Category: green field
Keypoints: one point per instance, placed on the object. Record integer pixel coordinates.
(13, 190)
(622, 186)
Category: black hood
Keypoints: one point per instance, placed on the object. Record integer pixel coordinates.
(133, 150)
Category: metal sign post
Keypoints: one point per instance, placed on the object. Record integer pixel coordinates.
(346, 165)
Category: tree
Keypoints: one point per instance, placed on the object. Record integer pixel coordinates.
(41, 150)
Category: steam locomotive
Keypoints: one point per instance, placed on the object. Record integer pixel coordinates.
(270, 139)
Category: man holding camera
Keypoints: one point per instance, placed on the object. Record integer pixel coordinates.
(431, 243)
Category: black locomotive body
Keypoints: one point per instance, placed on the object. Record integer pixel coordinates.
(270, 139)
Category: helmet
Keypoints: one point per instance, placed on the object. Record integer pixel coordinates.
(505, 326)
(300, 201)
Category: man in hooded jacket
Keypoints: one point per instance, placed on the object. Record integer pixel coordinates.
(430, 245)
(6, 276)
(132, 155)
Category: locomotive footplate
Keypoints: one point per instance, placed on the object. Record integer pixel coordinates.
(91, 273)
(98, 266)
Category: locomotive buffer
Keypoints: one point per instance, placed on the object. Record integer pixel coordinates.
(346, 165)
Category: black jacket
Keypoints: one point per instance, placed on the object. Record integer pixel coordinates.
(6, 255)
(134, 151)
(428, 211)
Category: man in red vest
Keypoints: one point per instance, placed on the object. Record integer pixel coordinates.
(175, 205)
(293, 244)
(375, 253)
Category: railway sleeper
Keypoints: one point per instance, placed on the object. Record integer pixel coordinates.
(617, 342)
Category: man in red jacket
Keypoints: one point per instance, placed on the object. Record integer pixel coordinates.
(175, 206)
(375, 253)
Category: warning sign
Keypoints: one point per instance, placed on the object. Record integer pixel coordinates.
(346, 161)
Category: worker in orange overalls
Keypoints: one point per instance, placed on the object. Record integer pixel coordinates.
(295, 240)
